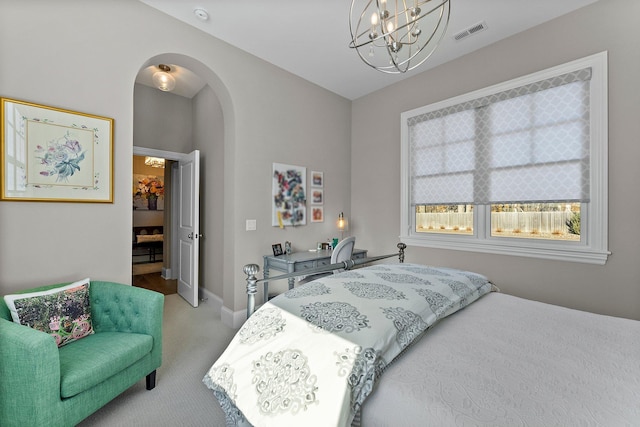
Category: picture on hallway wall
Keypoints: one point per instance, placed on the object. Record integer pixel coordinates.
(53, 155)
(289, 195)
(148, 192)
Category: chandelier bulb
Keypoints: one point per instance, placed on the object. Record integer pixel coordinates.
(374, 19)
(389, 27)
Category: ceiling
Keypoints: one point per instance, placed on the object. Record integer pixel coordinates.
(311, 38)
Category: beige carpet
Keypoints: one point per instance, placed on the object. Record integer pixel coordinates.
(193, 338)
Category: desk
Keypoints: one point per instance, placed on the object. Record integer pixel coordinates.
(300, 261)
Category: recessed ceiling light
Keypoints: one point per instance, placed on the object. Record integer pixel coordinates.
(201, 13)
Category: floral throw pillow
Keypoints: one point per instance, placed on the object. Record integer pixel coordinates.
(64, 312)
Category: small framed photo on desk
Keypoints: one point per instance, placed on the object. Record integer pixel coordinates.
(277, 249)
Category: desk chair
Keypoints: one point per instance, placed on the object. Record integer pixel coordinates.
(342, 252)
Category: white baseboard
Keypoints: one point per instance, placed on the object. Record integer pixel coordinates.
(233, 319)
(167, 274)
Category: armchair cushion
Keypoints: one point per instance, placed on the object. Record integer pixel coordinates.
(64, 313)
(109, 353)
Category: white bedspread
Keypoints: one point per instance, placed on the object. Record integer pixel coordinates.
(506, 361)
(311, 356)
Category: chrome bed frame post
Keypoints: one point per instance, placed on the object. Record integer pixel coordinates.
(252, 269)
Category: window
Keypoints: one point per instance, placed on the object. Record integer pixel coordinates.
(519, 168)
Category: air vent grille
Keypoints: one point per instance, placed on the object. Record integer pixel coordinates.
(473, 29)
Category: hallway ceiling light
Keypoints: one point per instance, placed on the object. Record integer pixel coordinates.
(398, 35)
(163, 80)
(154, 162)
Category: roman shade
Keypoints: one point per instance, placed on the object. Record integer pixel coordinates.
(523, 145)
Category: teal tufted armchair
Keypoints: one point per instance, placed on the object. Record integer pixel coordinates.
(43, 385)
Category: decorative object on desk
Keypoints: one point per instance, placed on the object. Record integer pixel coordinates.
(277, 249)
(396, 37)
(317, 179)
(342, 224)
(317, 196)
(53, 155)
(148, 192)
(325, 246)
(289, 195)
(317, 214)
(287, 248)
(335, 242)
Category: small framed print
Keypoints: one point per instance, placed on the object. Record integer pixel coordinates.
(317, 196)
(317, 214)
(317, 179)
(277, 249)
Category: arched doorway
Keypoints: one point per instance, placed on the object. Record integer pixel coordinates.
(206, 130)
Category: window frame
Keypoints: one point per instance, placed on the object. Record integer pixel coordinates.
(592, 248)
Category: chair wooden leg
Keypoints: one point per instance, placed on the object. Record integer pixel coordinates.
(151, 380)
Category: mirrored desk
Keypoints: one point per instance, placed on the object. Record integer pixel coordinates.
(298, 262)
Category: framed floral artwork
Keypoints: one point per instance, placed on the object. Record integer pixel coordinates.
(53, 155)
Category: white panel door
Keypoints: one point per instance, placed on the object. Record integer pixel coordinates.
(189, 227)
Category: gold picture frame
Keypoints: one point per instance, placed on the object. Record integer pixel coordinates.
(50, 154)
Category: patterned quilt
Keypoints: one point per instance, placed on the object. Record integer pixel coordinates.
(312, 355)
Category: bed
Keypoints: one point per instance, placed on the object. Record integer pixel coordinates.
(421, 345)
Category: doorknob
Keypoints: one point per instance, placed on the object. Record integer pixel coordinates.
(190, 235)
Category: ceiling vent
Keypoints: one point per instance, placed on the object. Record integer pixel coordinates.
(476, 28)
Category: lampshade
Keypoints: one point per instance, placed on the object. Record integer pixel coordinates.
(397, 36)
(163, 80)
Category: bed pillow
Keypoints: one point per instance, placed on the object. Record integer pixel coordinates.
(64, 312)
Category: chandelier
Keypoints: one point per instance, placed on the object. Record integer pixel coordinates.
(396, 36)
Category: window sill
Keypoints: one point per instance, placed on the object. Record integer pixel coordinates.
(541, 250)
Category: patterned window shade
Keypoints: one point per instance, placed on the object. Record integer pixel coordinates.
(527, 144)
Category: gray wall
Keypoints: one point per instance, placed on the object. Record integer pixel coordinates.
(85, 56)
(606, 25)
(208, 130)
(270, 116)
(162, 120)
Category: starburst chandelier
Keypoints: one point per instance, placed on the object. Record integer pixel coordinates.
(396, 36)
